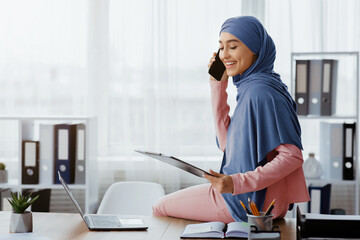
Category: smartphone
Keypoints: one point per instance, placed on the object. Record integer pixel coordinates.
(217, 68)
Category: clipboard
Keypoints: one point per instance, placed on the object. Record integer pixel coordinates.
(176, 163)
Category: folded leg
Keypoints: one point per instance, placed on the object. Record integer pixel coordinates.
(200, 203)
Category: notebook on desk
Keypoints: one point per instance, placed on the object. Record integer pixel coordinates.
(105, 221)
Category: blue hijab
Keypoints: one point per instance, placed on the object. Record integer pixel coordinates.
(265, 114)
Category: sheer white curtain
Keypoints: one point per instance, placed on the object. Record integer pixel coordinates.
(158, 74)
(43, 60)
(311, 26)
(158, 96)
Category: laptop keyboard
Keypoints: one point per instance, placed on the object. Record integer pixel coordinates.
(105, 221)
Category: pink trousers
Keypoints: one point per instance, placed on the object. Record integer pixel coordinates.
(200, 203)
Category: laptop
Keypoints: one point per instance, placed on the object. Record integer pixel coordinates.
(105, 221)
(176, 163)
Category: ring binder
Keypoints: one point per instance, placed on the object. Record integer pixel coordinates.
(30, 162)
(331, 149)
(348, 151)
(315, 79)
(46, 166)
(328, 87)
(65, 143)
(320, 199)
(80, 157)
(302, 86)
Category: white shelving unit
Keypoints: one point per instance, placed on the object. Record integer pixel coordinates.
(346, 111)
(27, 127)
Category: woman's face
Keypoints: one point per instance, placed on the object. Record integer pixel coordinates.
(235, 55)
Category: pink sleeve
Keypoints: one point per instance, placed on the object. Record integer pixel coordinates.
(288, 159)
(220, 110)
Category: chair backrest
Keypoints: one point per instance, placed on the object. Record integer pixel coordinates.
(131, 198)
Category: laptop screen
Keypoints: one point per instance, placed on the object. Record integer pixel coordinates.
(70, 195)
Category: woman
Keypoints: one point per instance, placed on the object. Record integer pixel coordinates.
(261, 141)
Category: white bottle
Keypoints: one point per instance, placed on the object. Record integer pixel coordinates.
(312, 167)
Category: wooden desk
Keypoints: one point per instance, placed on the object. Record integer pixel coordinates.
(71, 226)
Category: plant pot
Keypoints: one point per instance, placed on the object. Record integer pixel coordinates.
(3, 176)
(21, 222)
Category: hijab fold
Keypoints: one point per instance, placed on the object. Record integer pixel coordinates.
(265, 114)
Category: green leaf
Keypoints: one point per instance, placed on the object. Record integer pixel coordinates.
(13, 195)
(33, 200)
(21, 202)
(27, 197)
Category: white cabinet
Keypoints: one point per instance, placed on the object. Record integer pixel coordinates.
(345, 193)
(14, 129)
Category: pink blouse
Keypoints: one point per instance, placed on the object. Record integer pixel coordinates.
(283, 175)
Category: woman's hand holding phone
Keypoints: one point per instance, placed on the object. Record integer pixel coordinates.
(217, 69)
(212, 59)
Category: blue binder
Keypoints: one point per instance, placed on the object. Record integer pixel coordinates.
(319, 199)
(64, 150)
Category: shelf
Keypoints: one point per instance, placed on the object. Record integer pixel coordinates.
(313, 117)
(30, 117)
(332, 181)
(28, 127)
(347, 109)
(53, 186)
(323, 53)
(41, 186)
(8, 185)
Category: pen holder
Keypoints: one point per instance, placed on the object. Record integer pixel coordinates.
(262, 222)
(274, 234)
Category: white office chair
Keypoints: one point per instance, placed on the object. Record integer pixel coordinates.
(130, 198)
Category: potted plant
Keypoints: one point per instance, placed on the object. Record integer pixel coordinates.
(3, 173)
(21, 220)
